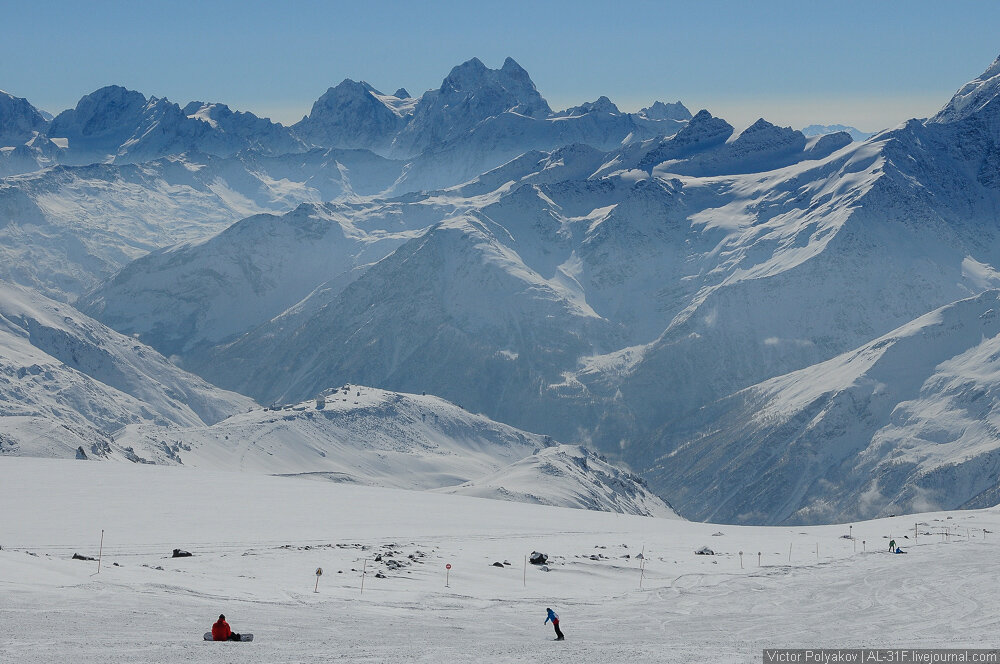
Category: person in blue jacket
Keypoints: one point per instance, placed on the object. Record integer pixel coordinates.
(554, 617)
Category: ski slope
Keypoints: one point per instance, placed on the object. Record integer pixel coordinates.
(258, 540)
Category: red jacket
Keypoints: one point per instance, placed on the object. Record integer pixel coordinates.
(221, 631)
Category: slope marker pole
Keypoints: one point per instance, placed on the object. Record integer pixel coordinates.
(100, 552)
(364, 570)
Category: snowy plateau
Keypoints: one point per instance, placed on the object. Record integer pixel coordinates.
(462, 327)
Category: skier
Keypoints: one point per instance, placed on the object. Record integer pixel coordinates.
(554, 617)
(221, 631)
(892, 546)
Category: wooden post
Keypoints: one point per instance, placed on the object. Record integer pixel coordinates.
(364, 570)
(741, 560)
(758, 559)
(319, 573)
(789, 552)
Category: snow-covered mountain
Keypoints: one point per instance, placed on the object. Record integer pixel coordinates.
(822, 130)
(360, 435)
(661, 111)
(906, 423)
(469, 95)
(567, 476)
(353, 115)
(114, 124)
(67, 381)
(604, 289)
(212, 290)
(181, 174)
(19, 120)
(67, 228)
(601, 296)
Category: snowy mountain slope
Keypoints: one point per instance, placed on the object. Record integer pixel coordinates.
(456, 294)
(906, 423)
(64, 229)
(184, 297)
(66, 381)
(689, 263)
(94, 220)
(19, 120)
(504, 137)
(977, 98)
(567, 476)
(814, 255)
(603, 297)
(361, 435)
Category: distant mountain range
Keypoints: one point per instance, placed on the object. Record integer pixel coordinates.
(820, 130)
(742, 319)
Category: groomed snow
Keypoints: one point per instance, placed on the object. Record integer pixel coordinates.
(258, 540)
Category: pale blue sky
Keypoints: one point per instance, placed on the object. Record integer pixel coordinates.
(870, 64)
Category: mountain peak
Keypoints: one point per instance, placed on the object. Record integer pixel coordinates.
(401, 94)
(470, 74)
(661, 111)
(19, 120)
(972, 98)
(511, 68)
(602, 105)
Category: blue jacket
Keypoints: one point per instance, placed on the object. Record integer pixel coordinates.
(553, 616)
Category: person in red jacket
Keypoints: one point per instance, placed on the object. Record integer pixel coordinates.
(221, 631)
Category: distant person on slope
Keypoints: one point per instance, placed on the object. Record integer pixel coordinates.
(554, 617)
(892, 546)
(221, 631)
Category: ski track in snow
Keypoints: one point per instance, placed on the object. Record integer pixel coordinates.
(256, 565)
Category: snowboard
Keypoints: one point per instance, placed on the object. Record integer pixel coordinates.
(243, 637)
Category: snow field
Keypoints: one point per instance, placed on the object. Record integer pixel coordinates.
(257, 541)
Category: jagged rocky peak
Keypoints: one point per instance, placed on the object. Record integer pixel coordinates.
(343, 92)
(211, 113)
(510, 85)
(350, 115)
(661, 111)
(104, 110)
(602, 105)
(19, 120)
(401, 94)
(703, 130)
(762, 133)
(974, 97)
